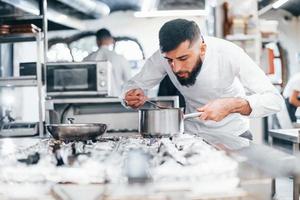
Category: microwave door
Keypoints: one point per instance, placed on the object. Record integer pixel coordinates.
(70, 79)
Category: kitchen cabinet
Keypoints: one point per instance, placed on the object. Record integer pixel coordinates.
(241, 26)
(292, 136)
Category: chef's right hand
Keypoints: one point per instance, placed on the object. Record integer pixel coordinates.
(135, 98)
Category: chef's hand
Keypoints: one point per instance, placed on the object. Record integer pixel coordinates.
(218, 109)
(135, 98)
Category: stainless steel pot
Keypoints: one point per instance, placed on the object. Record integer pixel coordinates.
(71, 132)
(162, 122)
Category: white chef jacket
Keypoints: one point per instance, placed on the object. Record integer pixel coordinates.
(120, 68)
(227, 71)
(293, 84)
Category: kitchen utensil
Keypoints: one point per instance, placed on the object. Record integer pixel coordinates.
(192, 115)
(24, 28)
(71, 132)
(156, 105)
(4, 29)
(163, 122)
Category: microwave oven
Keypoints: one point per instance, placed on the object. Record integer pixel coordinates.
(78, 79)
(29, 69)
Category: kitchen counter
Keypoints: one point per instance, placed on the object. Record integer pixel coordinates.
(292, 136)
(180, 168)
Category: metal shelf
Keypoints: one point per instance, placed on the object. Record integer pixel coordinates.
(22, 81)
(269, 40)
(39, 12)
(241, 37)
(106, 100)
(12, 38)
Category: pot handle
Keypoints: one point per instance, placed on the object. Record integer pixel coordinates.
(192, 115)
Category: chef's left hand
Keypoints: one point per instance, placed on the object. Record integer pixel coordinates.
(218, 109)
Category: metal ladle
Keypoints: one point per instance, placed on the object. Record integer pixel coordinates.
(156, 105)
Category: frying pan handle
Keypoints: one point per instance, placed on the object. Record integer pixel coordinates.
(71, 120)
(192, 115)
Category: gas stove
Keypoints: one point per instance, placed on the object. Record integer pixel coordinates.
(122, 160)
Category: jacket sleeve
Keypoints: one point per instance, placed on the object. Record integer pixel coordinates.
(263, 97)
(150, 75)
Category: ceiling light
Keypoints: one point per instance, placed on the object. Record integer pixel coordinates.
(170, 13)
(279, 3)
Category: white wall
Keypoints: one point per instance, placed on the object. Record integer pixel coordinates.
(289, 36)
(144, 29)
(125, 24)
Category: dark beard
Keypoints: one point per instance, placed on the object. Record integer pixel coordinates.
(191, 79)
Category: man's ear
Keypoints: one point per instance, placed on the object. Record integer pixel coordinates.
(202, 49)
(98, 43)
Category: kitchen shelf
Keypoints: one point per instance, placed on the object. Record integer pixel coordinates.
(30, 11)
(106, 100)
(12, 38)
(22, 81)
(241, 37)
(268, 40)
(25, 81)
(251, 43)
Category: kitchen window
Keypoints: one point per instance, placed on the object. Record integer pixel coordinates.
(75, 48)
(59, 52)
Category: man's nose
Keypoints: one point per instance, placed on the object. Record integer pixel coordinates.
(175, 66)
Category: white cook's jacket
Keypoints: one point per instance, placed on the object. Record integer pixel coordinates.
(292, 85)
(227, 71)
(120, 68)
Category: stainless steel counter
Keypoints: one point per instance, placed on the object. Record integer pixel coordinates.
(253, 183)
(293, 136)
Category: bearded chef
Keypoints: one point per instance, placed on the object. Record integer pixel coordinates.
(215, 77)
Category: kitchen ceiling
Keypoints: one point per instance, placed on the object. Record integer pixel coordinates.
(122, 5)
(181, 4)
(74, 12)
(63, 14)
(117, 5)
(292, 6)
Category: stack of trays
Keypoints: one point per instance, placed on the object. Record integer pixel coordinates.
(24, 28)
(18, 29)
(4, 29)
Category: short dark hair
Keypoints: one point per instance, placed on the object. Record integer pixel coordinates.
(176, 31)
(103, 34)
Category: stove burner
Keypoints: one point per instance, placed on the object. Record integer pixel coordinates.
(31, 159)
(56, 152)
(181, 158)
